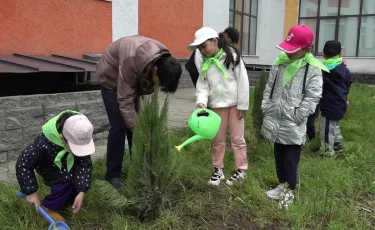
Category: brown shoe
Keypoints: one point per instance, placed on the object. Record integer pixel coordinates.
(55, 215)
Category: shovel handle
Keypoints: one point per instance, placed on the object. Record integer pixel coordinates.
(40, 209)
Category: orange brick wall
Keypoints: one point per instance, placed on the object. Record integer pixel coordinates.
(65, 27)
(173, 22)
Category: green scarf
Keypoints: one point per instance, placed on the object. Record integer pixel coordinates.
(332, 62)
(50, 131)
(293, 66)
(207, 63)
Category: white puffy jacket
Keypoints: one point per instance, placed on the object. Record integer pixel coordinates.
(216, 91)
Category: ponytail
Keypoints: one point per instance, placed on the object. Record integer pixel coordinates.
(226, 46)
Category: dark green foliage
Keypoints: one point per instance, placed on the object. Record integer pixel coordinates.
(257, 102)
(150, 173)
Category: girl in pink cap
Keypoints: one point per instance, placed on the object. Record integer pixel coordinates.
(61, 156)
(292, 93)
(223, 85)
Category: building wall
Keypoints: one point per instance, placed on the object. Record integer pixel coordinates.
(216, 14)
(275, 18)
(291, 15)
(68, 27)
(173, 22)
(269, 33)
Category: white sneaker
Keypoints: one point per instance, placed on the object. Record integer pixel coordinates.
(217, 175)
(276, 192)
(237, 175)
(327, 151)
(286, 200)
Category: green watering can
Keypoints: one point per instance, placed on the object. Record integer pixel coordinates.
(205, 123)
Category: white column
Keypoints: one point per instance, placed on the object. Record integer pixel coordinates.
(124, 18)
(216, 14)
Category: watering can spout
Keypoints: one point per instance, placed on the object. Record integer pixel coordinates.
(188, 141)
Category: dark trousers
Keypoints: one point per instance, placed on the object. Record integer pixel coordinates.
(62, 194)
(287, 159)
(310, 129)
(116, 136)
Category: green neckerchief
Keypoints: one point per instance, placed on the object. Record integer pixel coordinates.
(293, 66)
(207, 63)
(332, 62)
(50, 131)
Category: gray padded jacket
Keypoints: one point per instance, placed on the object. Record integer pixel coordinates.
(286, 109)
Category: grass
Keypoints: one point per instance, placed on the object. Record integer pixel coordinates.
(333, 193)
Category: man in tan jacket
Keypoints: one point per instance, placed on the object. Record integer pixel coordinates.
(128, 69)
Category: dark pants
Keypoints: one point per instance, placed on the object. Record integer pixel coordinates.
(62, 194)
(311, 123)
(116, 136)
(287, 159)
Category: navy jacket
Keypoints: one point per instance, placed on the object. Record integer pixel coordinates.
(192, 69)
(336, 86)
(40, 156)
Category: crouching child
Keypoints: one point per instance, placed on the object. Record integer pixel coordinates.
(61, 156)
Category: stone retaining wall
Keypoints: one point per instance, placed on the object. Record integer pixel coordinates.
(22, 117)
(368, 79)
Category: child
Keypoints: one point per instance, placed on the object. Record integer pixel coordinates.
(233, 37)
(292, 92)
(333, 104)
(223, 85)
(68, 175)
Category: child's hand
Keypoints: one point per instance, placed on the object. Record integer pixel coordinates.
(201, 106)
(241, 114)
(78, 202)
(33, 199)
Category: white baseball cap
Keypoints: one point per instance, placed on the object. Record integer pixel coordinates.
(78, 131)
(202, 35)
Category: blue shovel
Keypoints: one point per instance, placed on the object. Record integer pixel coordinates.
(54, 225)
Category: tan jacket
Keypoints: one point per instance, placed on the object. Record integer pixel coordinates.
(125, 67)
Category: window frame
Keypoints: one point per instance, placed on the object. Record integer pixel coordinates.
(337, 23)
(242, 14)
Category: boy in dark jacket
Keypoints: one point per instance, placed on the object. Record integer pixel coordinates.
(333, 104)
(61, 155)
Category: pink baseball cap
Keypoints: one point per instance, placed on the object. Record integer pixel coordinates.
(299, 37)
(78, 131)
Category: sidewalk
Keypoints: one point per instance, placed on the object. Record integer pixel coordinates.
(181, 105)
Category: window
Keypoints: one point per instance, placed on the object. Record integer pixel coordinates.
(243, 17)
(352, 22)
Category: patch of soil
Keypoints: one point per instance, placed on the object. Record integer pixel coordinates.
(216, 217)
(234, 219)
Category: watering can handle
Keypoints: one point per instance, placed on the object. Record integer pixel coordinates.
(201, 112)
(40, 209)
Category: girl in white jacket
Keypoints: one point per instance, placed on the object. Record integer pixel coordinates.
(223, 85)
